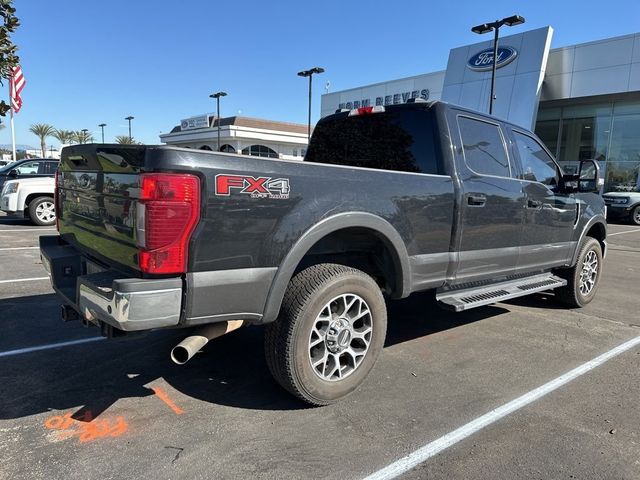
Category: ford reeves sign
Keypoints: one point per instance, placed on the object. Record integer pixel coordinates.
(483, 61)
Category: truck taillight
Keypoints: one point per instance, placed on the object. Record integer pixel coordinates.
(56, 197)
(167, 213)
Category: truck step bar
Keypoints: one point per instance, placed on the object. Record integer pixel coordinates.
(467, 298)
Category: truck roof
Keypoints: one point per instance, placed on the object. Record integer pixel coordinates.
(424, 105)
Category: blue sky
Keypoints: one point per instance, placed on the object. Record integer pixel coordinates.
(88, 62)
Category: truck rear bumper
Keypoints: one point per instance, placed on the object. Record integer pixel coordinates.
(106, 296)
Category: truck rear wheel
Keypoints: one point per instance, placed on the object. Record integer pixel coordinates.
(42, 211)
(330, 331)
(583, 277)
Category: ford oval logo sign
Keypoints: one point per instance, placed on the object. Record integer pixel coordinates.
(483, 61)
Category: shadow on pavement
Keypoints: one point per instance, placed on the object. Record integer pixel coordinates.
(231, 371)
(4, 220)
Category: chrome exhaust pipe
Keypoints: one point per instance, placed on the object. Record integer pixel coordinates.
(187, 348)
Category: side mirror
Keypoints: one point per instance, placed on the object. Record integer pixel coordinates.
(569, 183)
(13, 173)
(589, 180)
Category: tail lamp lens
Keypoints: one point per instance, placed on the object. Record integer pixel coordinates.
(167, 213)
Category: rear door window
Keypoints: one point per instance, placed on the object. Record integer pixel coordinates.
(483, 147)
(400, 139)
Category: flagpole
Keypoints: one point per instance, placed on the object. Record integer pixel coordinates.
(13, 136)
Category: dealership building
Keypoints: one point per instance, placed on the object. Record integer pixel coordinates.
(583, 100)
(243, 135)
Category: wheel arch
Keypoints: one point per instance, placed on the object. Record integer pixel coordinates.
(32, 196)
(377, 226)
(595, 228)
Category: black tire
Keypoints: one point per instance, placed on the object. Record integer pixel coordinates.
(288, 340)
(40, 213)
(634, 216)
(572, 294)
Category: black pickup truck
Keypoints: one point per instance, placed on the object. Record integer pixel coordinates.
(388, 201)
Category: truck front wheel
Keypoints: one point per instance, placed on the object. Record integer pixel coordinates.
(330, 331)
(583, 277)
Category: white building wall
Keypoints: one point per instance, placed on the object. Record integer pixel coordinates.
(240, 137)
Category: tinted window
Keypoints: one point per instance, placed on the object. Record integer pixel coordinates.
(537, 165)
(51, 168)
(399, 139)
(484, 151)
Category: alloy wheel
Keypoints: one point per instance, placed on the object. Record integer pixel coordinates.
(340, 337)
(45, 212)
(589, 272)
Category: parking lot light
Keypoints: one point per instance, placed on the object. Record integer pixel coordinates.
(309, 73)
(217, 96)
(129, 118)
(483, 28)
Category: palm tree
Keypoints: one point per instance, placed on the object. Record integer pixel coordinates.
(82, 137)
(64, 136)
(125, 140)
(42, 131)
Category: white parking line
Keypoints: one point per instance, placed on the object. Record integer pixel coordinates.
(33, 279)
(26, 230)
(430, 449)
(17, 248)
(620, 233)
(19, 351)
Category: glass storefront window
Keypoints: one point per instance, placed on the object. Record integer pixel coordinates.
(607, 132)
(623, 163)
(548, 126)
(547, 131)
(585, 133)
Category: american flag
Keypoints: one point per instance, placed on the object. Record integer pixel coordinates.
(16, 85)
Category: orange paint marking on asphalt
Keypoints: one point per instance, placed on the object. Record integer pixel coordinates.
(102, 428)
(87, 430)
(162, 395)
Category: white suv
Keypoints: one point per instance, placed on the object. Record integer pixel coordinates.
(30, 198)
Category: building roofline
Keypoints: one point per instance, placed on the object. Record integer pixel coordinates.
(593, 42)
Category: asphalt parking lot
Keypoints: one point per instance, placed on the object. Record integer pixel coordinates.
(101, 409)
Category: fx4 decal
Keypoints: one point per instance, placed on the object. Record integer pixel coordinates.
(257, 187)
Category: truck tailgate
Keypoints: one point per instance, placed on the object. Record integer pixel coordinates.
(98, 186)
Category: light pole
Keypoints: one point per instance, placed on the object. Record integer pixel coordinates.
(85, 130)
(102, 125)
(309, 73)
(495, 27)
(217, 96)
(129, 118)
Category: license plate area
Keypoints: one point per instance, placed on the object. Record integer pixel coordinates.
(93, 267)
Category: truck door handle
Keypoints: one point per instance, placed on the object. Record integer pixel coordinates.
(476, 199)
(534, 204)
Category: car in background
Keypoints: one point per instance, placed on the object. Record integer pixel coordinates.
(30, 198)
(623, 205)
(28, 168)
